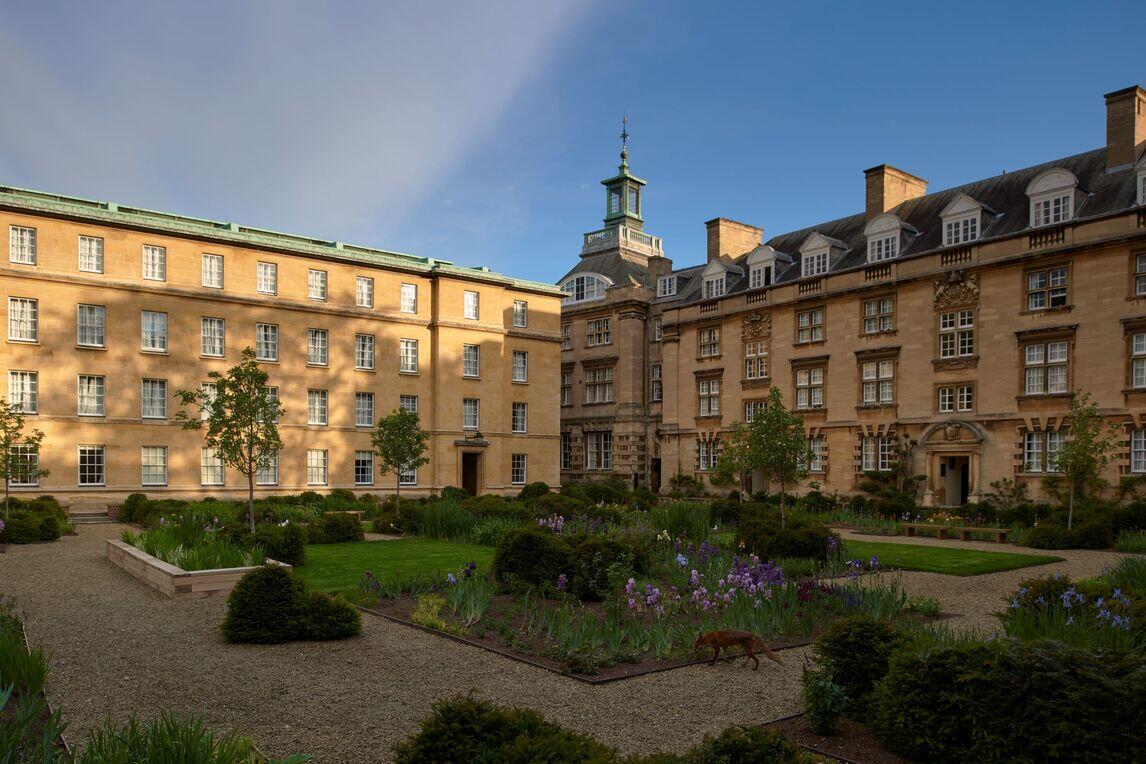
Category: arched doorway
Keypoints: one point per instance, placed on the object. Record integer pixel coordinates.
(953, 451)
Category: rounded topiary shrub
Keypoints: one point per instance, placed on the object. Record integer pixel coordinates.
(342, 495)
(1047, 536)
(330, 618)
(533, 490)
(131, 505)
(855, 651)
(333, 528)
(807, 541)
(266, 606)
(1013, 701)
(530, 557)
(282, 543)
(559, 504)
(455, 493)
(595, 560)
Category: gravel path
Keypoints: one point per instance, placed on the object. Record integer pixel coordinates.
(118, 647)
(973, 599)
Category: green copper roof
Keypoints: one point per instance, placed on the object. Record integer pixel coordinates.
(164, 222)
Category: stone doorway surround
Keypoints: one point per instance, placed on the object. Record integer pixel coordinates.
(943, 440)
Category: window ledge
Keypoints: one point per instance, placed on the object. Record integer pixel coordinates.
(91, 347)
(598, 403)
(876, 406)
(1044, 397)
(213, 357)
(1047, 311)
(702, 358)
(519, 381)
(363, 368)
(22, 342)
(961, 362)
(707, 416)
(475, 377)
(809, 343)
(144, 351)
(877, 335)
(409, 373)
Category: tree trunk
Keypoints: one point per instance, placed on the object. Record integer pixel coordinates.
(398, 486)
(6, 502)
(251, 499)
(783, 515)
(1070, 511)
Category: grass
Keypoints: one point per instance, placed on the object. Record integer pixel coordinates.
(937, 559)
(339, 567)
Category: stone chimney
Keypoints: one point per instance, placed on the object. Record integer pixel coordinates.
(728, 237)
(1125, 126)
(888, 187)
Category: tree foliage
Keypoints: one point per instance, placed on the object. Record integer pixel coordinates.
(774, 442)
(239, 418)
(1090, 443)
(16, 449)
(401, 444)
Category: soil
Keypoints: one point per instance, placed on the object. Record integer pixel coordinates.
(531, 650)
(853, 741)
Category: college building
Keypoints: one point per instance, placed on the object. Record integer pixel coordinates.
(962, 320)
(110, 310)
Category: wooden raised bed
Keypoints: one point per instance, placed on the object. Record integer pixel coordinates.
(176, 583)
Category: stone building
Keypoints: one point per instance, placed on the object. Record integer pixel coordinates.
(109, 310)
(964, 320)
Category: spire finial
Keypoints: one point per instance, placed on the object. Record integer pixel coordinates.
(624, 138)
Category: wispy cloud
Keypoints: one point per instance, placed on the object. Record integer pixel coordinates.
(332, 119)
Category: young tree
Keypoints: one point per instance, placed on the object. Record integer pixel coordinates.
(1088, 447)
(17, 449)
(401, 445)
(241, 421)
(774, 442)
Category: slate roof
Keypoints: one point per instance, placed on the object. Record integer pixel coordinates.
(612, 266)
(1004, 194)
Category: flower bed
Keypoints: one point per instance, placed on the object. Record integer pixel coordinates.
(170, 580)
(645, 622)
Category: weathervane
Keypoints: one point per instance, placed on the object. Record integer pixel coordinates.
(624, 137)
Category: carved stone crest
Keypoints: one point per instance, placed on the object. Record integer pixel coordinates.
(956, 290)
(951, 431)
(756, 326)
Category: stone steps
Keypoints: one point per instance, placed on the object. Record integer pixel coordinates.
(82, 513)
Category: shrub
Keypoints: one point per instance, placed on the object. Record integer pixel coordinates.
(686, 485)
(597, 563)
(533, 491)
(530, 557)
(1047, 536)
(643, 498)
(467, 729)
(746, 745)
(758, 531)
(284, 543)
(24, 527)
(267, 606)
(342, 495)
(330, 618)
(560, 504)
(725, 511)
(816, 502)
(611, 491)
(454, 493)
(333, 528)
(968, 702)
(1094, 534)
(131, 505)
(823, 701)
(388, 521)
(855, 652)
(309, 497)
(489, 531)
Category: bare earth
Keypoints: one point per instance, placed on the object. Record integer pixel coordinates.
(118, 647)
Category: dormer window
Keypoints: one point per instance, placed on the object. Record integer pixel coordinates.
(714, 287)
(883, 248)
(666, 286)
(885, 237)
(962, 220)
(961, 230)
(759, 276)
(814, 263)
(584, 287)
(1054, 196)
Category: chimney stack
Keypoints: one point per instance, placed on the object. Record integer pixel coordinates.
(728, 237)
(888, 187)
(1125, 126)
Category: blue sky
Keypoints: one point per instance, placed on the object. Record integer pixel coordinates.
(478, 132)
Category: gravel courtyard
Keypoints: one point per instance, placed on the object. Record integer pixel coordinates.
(118, 647)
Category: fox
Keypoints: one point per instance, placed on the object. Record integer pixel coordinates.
(727, 638)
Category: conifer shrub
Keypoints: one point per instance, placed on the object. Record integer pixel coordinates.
(855, 652)
(269, 605)
(530, 557)
(1012, 701)
(333, 528)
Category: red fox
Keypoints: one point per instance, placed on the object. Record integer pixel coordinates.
(726, 638)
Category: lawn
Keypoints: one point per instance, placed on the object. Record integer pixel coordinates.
(339, 567)
(938, 559)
